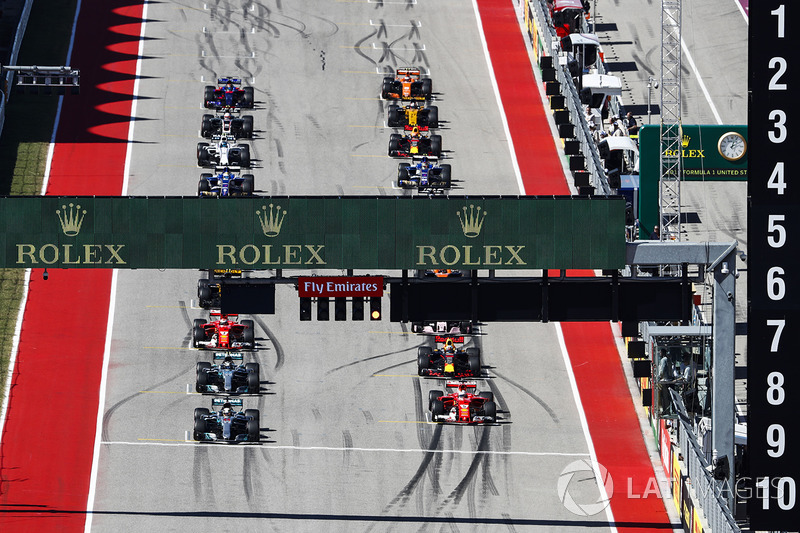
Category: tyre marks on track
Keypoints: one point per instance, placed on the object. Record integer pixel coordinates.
(202, 478)
(549, 410)
(370, 358)
(279, 353)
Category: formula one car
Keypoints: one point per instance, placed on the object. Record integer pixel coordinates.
(223, 151)
(466, 406)
(227, 125)
(407, 84)
(424, 176)
(411, 115)
(444, 327)
(226, 424)
(415, 144)
(224, 333)
(442, 273)
(228, 374)
(229, 93)
(225, 184)
(449, 361)
(208, 289)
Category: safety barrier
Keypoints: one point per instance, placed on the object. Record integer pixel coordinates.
(707, 490)
(9, 77)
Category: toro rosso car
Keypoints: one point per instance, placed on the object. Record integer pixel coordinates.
(223, 151)
(415, 144)
(411, 115)
(228, 374)
(225, 183)
(449, 361)
(227, 125)
(224, 333)
(228, 93)
(466, 406)
(228, 424)
(424, 176)
(407, 84)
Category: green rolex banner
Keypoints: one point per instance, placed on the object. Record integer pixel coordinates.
(313, 232)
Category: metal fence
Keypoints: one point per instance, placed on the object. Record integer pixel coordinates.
(710, 492)
(551, 43)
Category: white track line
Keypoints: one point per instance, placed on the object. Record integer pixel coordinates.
(113, 299)
(700, 82)
(514, 163)
(269, 446)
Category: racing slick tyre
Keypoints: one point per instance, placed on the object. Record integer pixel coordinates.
(437, 409)
(474, 361)
(208, 97)
(202, 377)
(423, 359)
(427, 88)
(402, 175)
(465, 325)
(252, 413)
(248, 100)
(199, 428)
(248, 184)
(393, 120)
(394, 144)
(444, 183)
(200, 412)
(486, 394)
(490, 409)
(249, 333)
(203, 292)
(253, 377)
(247, 126)
(432, 117)
(244, 156)
(253, 430)
(387, 87)
(198, 333)
(202, 154)
(202, 185)
(436, 145)
(433, 396)
(206, 129)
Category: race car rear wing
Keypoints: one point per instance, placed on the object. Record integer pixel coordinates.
(219, 402)
(408, 71)
(441, 339)
(235, 81)
(455, 384)
(217, 312)
(236, 356)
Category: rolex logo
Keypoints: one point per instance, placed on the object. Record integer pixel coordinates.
(71, 219)
(271, 220)
(685, 141)
(471, 220)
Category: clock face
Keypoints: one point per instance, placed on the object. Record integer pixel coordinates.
(732, 146)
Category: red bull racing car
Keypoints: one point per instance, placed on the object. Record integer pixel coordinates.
(414, 144)
(449, 361)
(465, 406)
(224, 333)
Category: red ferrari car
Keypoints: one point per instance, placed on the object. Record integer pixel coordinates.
(224, 333)
(465, 406)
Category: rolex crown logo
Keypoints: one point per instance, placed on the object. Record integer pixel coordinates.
(271, 220)
(685, 141)
(71, 219)
(471, 220)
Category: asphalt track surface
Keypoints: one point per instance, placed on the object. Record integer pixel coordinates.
(346, 443)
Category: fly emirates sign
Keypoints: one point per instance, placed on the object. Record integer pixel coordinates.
(333, 287)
